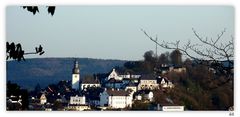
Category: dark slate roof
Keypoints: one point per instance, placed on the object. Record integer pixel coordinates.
(126, 79)
(131, 84)
(102, 76)
(78, 105)
(142, 92)
(112, 80)
(148, 77)
(90, 81)
(39, 95)
(177, 66)
(117, 92)
(164, 68)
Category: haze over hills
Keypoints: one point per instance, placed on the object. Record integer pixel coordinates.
(46, 71)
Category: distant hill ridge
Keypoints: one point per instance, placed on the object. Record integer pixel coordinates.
(46, 71)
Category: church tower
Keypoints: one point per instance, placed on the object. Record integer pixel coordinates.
(75, 76)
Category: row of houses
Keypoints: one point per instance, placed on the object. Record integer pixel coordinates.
(112, 91)
(138, 82)
(118, 90)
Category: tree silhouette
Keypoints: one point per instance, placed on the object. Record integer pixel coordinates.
(16, 52)
(176, 57)
(34, 9)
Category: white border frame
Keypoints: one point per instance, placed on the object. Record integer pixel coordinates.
(4, 3)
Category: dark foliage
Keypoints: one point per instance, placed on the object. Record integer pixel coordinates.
(34, 9)
(16, 52)
(14, 89)
(176, 57)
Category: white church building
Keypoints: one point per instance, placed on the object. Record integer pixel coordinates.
(75, 76)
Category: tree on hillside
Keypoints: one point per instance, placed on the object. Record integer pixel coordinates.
(163, 58)
(149, 56)
(37, 88)
(149, 60)
(176, 57)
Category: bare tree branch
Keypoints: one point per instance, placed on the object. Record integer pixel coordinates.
(213, 49)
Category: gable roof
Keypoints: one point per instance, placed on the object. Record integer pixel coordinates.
(90, 80)
(165, 79)
(112, 80)
(117, 92)
(131, 84)
(148, 77)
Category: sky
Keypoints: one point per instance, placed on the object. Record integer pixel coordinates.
(113, 32)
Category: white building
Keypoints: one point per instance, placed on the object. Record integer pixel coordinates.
(78, 103)
(43, 99)
(116, 98)
(77, 100)
(78, 107)
(148, 95)
(75, 76)
(89, 82)
(165, 83)
(138, 97)
(148, 82)
(114, 75)
(179, 69)
(131, 86)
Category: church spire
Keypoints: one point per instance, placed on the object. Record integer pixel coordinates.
(75, 75)
(76, 67)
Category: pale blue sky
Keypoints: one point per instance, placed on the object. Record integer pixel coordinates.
(113, 32)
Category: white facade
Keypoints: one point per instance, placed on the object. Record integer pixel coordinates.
(43, 99)
(166, 84)
(135, 76)
(87, 85)
(125, 76)
(130, 76)
(78, 107)
(148, 84)
(120, 101)
(75, 81)
(115, 101)
(77, 100)
(75, 76)
(179, 70)
(114, 75)
(149, 96)
(132, 88)
(138, 97)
